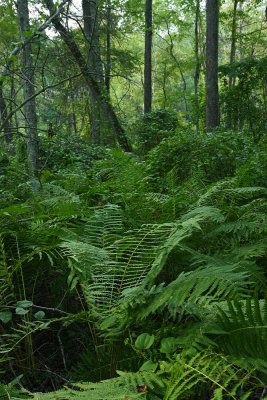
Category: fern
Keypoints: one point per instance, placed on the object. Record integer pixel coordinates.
(114, 269)
(126, 386)
(7, 290)
(196, 287)
(245, 332)
(10, 391)
(206, 371)
(220, 379)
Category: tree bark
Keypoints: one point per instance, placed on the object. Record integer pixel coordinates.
(3, 111)
(212, 91)
(99, 92)
(108, 49)
(233, 40)
(28, 88)
(5, 118)
(240, 32)
(91, 31)
(232, 57)
(148, 58)
(197, 70)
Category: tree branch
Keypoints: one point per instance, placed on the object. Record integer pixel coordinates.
(35, 95)
(19, 47)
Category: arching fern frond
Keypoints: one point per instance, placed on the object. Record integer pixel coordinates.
(210, 370)
(126, 386)
(130, 260)
(7, 290)
(245, 327)
(196, 287)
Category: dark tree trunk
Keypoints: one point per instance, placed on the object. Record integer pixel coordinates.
(98, 91)
(108, 49)
(197, 71)
(212, 91)
(148, 58)
(3, 113)
(91, 31)
(28, 88)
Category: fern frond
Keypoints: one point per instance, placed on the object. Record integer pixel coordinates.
(10, 392)
(125, 386)
(130, 260)
(219, 378)
(245, 337)
(7, 290)
(197, 287)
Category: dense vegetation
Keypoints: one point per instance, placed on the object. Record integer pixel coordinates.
(142, 273)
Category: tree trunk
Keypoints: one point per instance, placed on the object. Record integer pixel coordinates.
(98, 91)
(148, 58)
(197, 71)
(232, 58)
(91, 31)
(28, 89)
(108, 48)
(233, 40)
(212, 92)
(3, 112)
(240, 32)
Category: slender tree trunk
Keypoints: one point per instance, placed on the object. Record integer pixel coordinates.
(108, 48)
(212, 91)
(3, 112)
(148, 58)
(240, 32)
(97, 89)
(233, 40)
(197, 71)
(164, 87)
(232, 58)
(28, 88)
(179, 66)
(91, 30)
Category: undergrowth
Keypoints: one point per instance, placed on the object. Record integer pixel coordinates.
(134, 288)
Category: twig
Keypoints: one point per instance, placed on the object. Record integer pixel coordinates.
(19, 47)
(35, 95)
(40, 308)
(61, 348)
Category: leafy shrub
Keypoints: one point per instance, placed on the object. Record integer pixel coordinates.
(214, 155)
(243, 102)
(67, 152)
(151, 128)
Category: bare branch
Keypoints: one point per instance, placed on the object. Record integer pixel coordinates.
(35, 95)
(37, 32)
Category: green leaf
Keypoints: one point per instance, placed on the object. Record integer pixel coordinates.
(21, 311)
(168, 345)
(144, 341)
(148, 366)
(24, 303)
(5, 316)
(39, 315)
(108, 322)
(74, 283)
(27, 33)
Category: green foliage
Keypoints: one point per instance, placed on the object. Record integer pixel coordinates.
(243, 102)
(203, 369)
(244, 332)
(215, 155)
(140, 275)
(151, 128)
